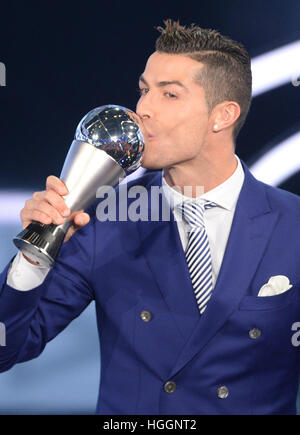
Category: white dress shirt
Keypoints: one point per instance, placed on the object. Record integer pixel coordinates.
(25, 276)
(217, 220)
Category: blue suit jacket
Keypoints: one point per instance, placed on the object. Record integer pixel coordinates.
(131, 267)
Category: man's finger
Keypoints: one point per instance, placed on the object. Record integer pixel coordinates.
(81, 219)
(56, 184)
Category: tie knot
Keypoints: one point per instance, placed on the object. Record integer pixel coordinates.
(193, 212)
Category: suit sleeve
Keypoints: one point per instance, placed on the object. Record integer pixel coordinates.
(34, 317)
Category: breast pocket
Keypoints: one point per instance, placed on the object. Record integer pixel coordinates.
(251, 303)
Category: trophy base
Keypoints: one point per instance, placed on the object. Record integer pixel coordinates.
(40, 242)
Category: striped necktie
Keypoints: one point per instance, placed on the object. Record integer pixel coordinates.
(198, 252)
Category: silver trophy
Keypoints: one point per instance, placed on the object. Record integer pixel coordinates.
(108, 145)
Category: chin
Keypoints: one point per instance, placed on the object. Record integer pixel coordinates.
(149, 163)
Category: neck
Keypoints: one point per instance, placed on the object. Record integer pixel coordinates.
(196, 177)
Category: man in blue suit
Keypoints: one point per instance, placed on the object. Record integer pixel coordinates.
(195, 316)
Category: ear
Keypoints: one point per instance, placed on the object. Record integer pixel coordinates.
(224, 115)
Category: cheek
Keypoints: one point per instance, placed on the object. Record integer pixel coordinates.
(175, 124)
(197, 125)
(188, 128)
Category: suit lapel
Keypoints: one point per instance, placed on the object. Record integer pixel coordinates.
(251, 229)
(163, 251)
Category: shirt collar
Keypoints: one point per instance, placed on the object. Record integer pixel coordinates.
(225, 195)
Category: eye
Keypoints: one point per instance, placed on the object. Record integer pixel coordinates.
(143, 91)
(170, 95)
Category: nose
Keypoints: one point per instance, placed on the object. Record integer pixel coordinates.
(144, 107)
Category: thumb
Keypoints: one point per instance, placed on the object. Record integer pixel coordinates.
(80, 219)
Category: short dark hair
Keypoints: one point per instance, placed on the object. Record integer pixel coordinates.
(226, 74)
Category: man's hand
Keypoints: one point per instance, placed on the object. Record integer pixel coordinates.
(49, 207)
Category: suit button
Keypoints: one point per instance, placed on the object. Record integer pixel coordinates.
(254, 333)
(146, 316)
(170, 387)
(223, 392)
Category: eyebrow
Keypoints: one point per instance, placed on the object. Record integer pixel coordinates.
(163, 83)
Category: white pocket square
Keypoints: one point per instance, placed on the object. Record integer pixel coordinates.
(276, 285)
